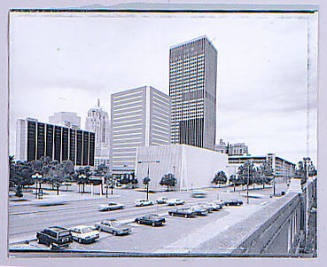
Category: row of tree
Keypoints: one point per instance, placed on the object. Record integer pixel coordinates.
(46, 171)
(247, 174)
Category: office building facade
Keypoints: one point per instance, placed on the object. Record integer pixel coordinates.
(281, 168)
(139, 117)
(66, 119)
(192, 88)
(36, 139)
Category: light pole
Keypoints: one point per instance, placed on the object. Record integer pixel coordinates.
(82, 176)
(148, 174)
(247, 185)
(37, 178)
(248, 181)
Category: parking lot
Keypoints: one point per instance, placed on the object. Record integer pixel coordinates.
(177, 234)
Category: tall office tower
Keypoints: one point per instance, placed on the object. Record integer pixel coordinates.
(36, 139)
(67, 119)
(192, 88)
(139, 117)
(98, 121)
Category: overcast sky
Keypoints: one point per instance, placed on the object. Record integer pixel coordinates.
(65, 62)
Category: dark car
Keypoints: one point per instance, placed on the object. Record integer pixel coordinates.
(183, 212)
(233, 202)
(151, 219)
(56, 237)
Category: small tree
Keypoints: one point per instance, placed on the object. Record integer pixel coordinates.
(233, 179)
(146, 182)
(220, 178)
(168, 180)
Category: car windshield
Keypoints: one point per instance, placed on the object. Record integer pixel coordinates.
(115, 224)
(63, 233)
(86, 230)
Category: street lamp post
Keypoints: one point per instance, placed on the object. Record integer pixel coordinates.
(148, 173)
(247, 185)
(82, 176)
(37, 178)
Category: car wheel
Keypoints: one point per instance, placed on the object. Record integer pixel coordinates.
(185, 215)
(153, 224)
(79, 240)
(52, 247)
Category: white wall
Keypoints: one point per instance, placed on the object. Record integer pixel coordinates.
(193, 167)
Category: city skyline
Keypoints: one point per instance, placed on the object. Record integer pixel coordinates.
(281, 116)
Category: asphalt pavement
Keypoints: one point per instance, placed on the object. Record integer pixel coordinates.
(178, 234)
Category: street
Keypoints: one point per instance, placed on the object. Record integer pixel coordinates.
(178, 234)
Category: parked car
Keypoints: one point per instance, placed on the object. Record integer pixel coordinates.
(215, 206)
(205, 206)
(199, 210)
(110, 206)
(161, 200)
(233, 202)
(84, 234)
(55, 237)
(199, 194)
(175, 202)
(114, 227)
(184, 212)
(143, 202)
(151, 219)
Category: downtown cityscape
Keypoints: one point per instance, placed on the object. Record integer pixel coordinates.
(87, 182)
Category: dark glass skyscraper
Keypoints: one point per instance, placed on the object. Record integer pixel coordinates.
(192, 88)
(35, 140)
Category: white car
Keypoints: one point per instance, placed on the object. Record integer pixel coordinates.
(161, 200)
(110, 206)
(143, 202)
(84, 234)
(175, 202)
(113, 226)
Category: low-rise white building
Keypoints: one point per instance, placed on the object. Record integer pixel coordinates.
(193, 167)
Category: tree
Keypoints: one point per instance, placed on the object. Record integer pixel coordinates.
(134, 182)
(168, 180)
(146, 182)
(220, 178)
(265, 173)
(82, 177)
(20, 174)
(233, 179)
(247, 173)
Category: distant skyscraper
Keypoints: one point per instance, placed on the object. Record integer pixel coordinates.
(192, 88)
(36, 139)
(98, 121)
(139, 117)
(67, 119)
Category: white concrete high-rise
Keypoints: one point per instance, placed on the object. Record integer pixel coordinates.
(98, 121)
(66, 119)
(139, 117)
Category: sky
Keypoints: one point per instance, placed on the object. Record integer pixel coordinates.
(266, 76)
